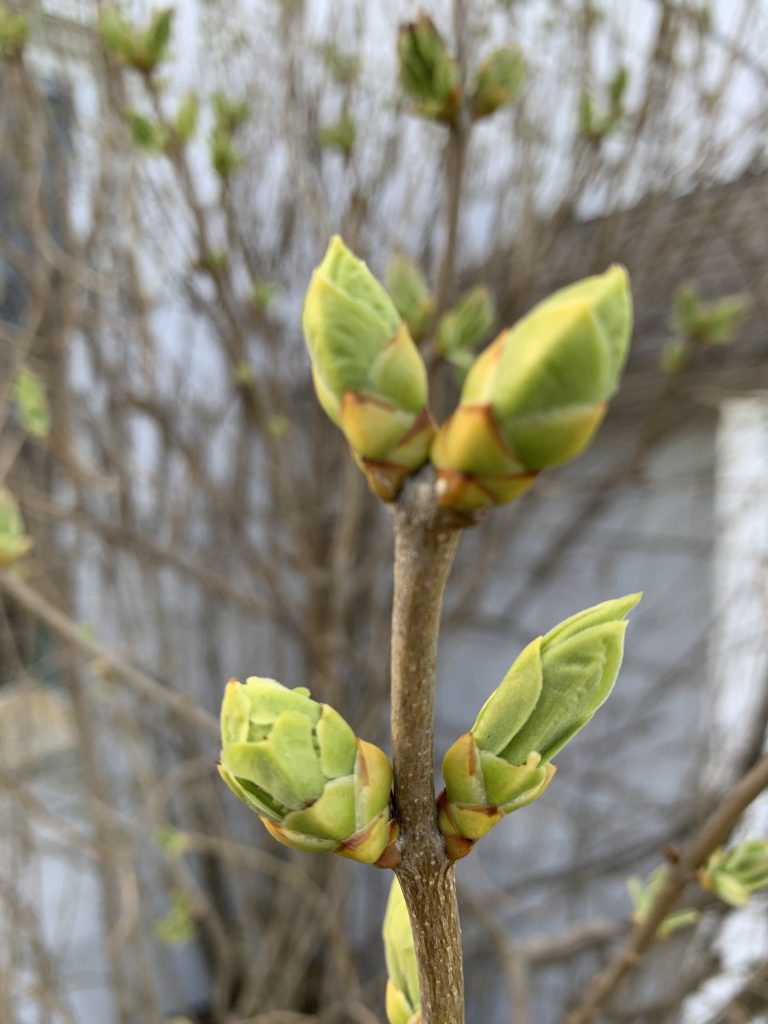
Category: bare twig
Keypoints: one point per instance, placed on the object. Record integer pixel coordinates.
(141, 684)
(425, 544)
(712, 833)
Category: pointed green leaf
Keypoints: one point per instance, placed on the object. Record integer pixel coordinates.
(510, 706)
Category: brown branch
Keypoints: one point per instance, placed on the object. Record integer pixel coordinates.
(455, 162)
(142, 685)
(425, 544)
(712, 833)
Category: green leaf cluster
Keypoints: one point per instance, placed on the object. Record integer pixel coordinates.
(601, 116)
(698, 324)
(735, 874)
(229, 117)
(187, 117)
(466, 326)
(14, 33)
(643, 895)
(142, 49)
(342, 67)
(14, 543)
(147, 134)
(498, 81)
(429, 74)
(32, 403)
(177, 928)
(410, 294)
(340, 135)
(299, 765)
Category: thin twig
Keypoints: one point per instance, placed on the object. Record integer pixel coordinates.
(712, 833)
(141, 684)
(425, 544)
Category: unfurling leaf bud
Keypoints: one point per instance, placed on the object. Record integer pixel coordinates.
(551, 692)
(187, 116)
(144, 49)
(14, 34)
(368, 374)
(410, 294)
(146, 134)
(535, 397)
(403, 998)
(498, 81)
(428, 73)
(735, 874)
(32, 402)
(643, 896)
(466, 326)
(339, 135)
(297, 763)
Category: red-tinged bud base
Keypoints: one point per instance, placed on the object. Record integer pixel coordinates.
(464, 491)
(387, 476)
(457, 845)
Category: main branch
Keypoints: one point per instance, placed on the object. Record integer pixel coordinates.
(425, 543)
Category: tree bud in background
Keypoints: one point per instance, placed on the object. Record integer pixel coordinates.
(498, 81)
(428, 73)
(297, 763)
(14, 543)
(142, 49)
(735, 874)
(535, 397)
(551, 691)
(368, 374)
(410, 294)
(403, 999)
(465, 327)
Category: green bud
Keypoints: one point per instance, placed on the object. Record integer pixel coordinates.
(142, 50)
(643, 896)
(263, 293)
(428, 73)
(341, 135)
(185, 124)
(32, 403)
(549, 694)
(368, 374)
(146, 134)
(735, 874)
(177, 928)
(535, 397)
(224, 157)
(498, 81)
(14, 543)
(116, 33)
(708, 323)
(410, 294)
(403, 998)
(14, 33)
(467, 325)
(230, 114)
(297, 763)
(342, 67)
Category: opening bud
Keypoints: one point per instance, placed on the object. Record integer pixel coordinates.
(369, 376)
(549, 694)
(299, 765)
(535, 397)
(428, 73)
(403, 997)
